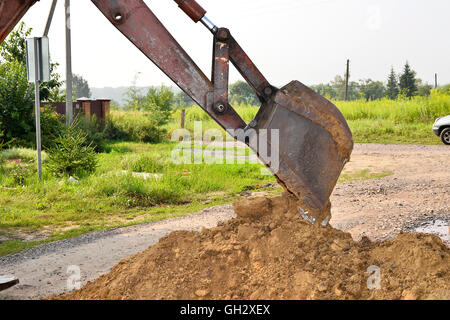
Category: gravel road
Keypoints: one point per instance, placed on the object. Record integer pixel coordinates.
(415, 198)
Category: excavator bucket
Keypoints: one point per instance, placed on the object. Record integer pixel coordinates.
(313, 143)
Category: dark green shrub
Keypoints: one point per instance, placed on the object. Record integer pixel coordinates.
(20, 173)
(134, 126)
(52, 126)
(2, 142)
(113, 132)
(72, 154)
(95, 132)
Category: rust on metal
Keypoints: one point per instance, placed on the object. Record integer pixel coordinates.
(192, 9)
(11, 11)
(221, 66)
(248, 70)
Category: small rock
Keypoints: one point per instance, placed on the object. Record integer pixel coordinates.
(201, 293)
(337, 292)
(72, 180)
(322, 287)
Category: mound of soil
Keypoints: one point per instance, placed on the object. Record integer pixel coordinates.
(270, 252)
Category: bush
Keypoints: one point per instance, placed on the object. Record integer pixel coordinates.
(72, 155)
(16, 102)
(21, 173)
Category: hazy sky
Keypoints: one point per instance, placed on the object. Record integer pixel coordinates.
(305, 40)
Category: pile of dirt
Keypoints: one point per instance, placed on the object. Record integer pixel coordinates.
(270, 252)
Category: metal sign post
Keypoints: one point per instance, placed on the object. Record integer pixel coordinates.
(38, 69)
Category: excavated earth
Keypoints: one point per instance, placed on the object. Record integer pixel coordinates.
(270, 252)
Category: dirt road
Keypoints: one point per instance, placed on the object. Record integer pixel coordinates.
(415, 198)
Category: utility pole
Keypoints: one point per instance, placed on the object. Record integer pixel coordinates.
(69, 102)
(347, 76)
(435, 81)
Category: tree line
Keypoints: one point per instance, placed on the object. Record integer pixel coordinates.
(405, 84)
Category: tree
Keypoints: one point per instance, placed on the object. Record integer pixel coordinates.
(325, 90)
(14, 49)
(16, 101)
(80, 87)
(182, 100)
(71, 153)
(338, 85)
(241, 92)
(392, 89)
(407, 83)
(371, 90)
(423, 89)
(134, 97)
(158, 104)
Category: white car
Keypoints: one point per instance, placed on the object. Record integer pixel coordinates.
(442, 129)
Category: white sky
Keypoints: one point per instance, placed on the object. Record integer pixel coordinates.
(305, 40)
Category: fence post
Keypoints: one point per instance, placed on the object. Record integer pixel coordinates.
(183, 118)
(347, 76)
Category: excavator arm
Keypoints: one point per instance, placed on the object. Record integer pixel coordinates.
(11, 11)
(312, 141)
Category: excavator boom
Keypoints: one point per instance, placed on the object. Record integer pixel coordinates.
(300, 136)
(11, 11)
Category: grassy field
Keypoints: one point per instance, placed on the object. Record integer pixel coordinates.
(407, 121)
(117, 194)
